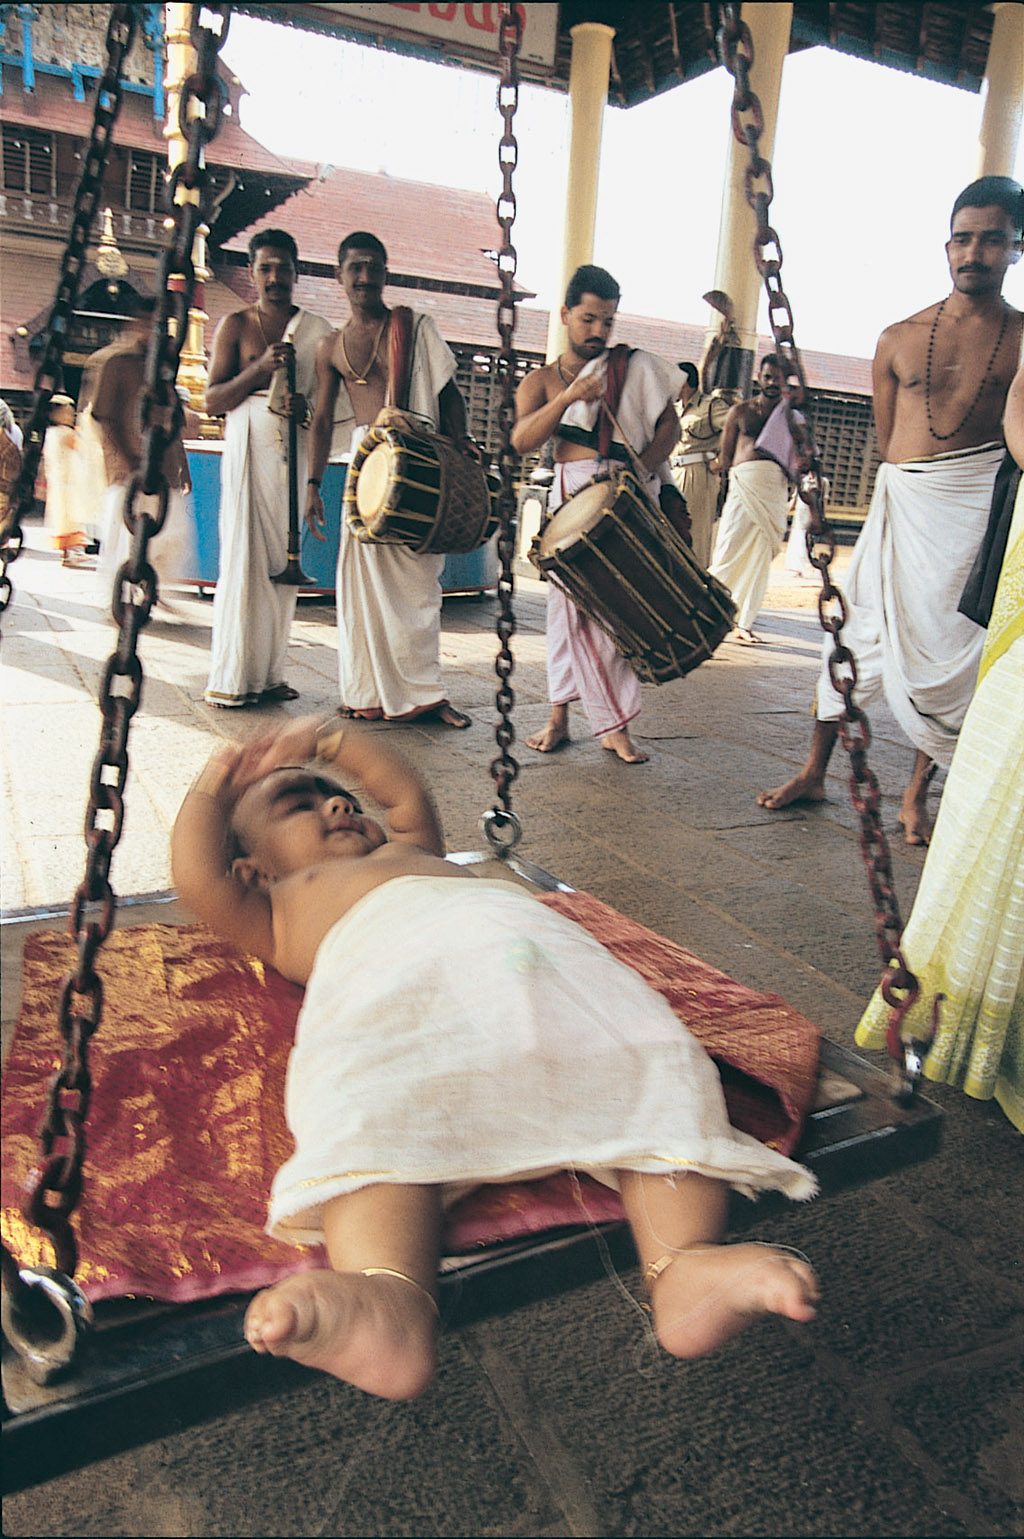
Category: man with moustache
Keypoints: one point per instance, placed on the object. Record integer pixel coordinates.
(562, 400)
(389, 597)
(252, 615)
(941, 379)
(753, 523)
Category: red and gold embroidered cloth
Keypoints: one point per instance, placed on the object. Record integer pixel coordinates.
(187, 1124)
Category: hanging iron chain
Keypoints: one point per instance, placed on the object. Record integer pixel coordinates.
(899, 986)
(504, 769)
(50, 373)
(55, 1185)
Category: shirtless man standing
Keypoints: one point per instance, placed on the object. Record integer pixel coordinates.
(561, 400)
(754, 516)
(388, 597)
(940, 383)
(252, 614)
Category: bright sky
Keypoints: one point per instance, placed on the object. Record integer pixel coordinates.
(866, 166)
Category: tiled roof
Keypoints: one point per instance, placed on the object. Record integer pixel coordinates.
(52, 107)
(417, 221)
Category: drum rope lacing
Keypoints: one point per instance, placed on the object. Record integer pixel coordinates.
(500, 825)
(899, 986)
(62, 1137)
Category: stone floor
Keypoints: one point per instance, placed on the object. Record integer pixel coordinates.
(899, 1412)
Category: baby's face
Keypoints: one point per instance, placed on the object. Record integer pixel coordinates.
(295, 819)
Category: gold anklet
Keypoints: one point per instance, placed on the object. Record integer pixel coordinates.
(655, 1269)
(389, 1271)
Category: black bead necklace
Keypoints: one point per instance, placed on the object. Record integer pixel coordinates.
(942, 437)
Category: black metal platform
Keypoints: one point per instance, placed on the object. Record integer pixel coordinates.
(153, 1369)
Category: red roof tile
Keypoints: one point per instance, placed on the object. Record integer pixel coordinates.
(429, 231)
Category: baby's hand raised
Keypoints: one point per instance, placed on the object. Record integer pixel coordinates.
(293, 744)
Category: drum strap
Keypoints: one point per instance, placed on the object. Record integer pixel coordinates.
(401, 350)
(618, 363)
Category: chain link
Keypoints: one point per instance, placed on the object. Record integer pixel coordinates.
(504, 769)
(50, 373)
(54, 1186)
(900, 988)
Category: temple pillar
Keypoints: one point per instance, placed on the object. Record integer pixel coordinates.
(735, 272)
(1004, 93)
(588, 93)
(183, 61)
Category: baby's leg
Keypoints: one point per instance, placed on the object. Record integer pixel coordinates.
(372, 1319)
(703, 1292)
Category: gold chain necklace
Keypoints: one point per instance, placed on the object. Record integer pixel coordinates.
(356, 380)
(566, 379)
(942, 437)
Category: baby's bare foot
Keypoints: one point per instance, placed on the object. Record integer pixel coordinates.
(802, 788)
(377, 1333)
(708, 1294)
(622, 744)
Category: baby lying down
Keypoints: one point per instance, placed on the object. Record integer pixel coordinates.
(454, 1032)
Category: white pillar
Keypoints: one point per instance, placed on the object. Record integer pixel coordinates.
(735, 271)
(1004, 93)
(588, 93)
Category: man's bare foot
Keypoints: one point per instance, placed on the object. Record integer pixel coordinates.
(550, 738)
(748, 638)
(709, 1293)
(916, 826)
(621, 743)
(377, 1333)
(802, 788)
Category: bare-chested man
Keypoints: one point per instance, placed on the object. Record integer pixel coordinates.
(753, 522)
(389, 598)
(110, 429)
(940, 384)
(252, 615)
(562, 399)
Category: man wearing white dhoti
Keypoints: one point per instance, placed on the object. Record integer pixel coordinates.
(109, 452)
(61, 516)
(753, 522)
(940, 381)
(702, 416)
(252, 614)
(388, 597)
(565, 399)
(486, 1037)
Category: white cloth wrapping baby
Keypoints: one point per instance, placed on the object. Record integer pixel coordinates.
(458, 1032)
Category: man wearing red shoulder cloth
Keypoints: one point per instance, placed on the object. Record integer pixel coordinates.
(389, 597)
(564, 399)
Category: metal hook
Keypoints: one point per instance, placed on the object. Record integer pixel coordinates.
(502, 830)
(46, 1339)
(909, 1070)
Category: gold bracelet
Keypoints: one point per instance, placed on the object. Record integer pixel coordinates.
(389, 1271)
(328, 741)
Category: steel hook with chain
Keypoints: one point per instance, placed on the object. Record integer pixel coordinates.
(501, 826)
(736, 51)
(54, 1186)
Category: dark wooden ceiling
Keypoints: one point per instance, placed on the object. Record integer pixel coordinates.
(658, 46)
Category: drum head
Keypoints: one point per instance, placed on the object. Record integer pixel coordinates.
(577, 516)
(373, 483)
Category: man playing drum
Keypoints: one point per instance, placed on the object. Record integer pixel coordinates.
(563, 399)
(388, 597)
